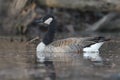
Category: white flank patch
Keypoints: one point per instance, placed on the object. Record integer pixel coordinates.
(40, 55)
(48, 21)
(92, 52)
(94, 47)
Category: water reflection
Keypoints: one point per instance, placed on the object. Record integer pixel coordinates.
(17, 62)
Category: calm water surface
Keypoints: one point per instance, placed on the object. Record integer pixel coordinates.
(17, 62)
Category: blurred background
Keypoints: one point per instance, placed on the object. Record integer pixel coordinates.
(72, 16)
(75, 18)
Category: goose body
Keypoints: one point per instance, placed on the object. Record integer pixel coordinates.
(89, 46)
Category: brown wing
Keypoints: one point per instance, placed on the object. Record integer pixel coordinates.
(73, 41)
(65, 42)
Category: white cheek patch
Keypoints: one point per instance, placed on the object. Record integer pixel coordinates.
(48, 21)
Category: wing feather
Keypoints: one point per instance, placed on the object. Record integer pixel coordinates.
(71, 41)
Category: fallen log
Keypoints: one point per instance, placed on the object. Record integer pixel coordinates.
(94, 5)
(103, 21)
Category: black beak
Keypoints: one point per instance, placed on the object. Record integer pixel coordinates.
(40, 20)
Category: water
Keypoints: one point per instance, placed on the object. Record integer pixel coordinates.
(18, 62)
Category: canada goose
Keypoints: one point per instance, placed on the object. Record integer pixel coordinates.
(88, 45)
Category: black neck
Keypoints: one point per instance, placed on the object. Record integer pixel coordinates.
(49, 36)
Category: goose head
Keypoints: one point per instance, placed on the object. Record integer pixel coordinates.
(48, 19)
(51, 25)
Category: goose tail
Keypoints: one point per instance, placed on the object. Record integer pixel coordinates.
(92, 51)
(93, 47)
(99, 41)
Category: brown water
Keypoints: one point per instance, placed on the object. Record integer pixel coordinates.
(17, 62)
